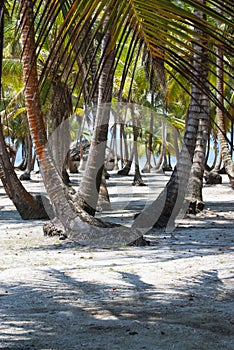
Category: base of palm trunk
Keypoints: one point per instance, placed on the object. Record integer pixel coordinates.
(195, 207)
(25, 176)
(38, 208)
(55, 228)
(213, 178)
(139, 242)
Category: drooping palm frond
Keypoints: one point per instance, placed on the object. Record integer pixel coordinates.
(165, 28)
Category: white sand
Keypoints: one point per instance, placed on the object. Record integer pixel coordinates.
(174, 294)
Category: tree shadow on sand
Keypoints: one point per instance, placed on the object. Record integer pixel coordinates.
(62, 312)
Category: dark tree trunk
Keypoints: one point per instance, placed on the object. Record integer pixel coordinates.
(28, 206)
(29, 157)
(137, 181)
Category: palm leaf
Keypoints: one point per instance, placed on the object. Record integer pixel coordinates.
(164, 27)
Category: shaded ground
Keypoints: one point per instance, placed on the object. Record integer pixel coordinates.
(174, 294)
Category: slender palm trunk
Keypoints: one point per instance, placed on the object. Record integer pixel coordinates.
(225, 151)
(52, 180)
(149, 149)
(199, 159)
(89, 188)
(29, 158)
(137, 181)
(198, 167)
(61, 108)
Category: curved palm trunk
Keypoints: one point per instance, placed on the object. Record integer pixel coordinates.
(74, 221)
(28, 206)
(168, 205)
(52, 180)
(89, 188)
(126, 169)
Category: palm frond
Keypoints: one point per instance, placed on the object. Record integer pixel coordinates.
(164, 28)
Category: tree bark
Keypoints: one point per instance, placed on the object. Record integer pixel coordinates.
(226, 153)
(28, 206)
(77, 224)
(89, 188)
(170, 203)
(199, 158)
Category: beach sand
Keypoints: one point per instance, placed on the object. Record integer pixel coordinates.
(176, 293)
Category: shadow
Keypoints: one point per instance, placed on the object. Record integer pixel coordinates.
(65, 310)
(9, 215)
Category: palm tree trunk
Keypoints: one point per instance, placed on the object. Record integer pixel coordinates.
(164, 210)
(137, 181)
(198, 167)
(226, 154)
(28, 206)
(89, 188)
(149, 149)
(27, 173)
(73, 221)
(199, 159)
(61, 108)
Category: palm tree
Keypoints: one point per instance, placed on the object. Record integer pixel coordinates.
(28, 206)
(89, 188)
(74, 220)
(224, 146)
(198, 160)
(127, 19)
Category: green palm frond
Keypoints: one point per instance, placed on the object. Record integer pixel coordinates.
(164, 28)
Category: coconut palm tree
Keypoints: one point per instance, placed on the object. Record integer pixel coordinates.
(75, 221)
(28, 206)
(224, 146)
(170, 41)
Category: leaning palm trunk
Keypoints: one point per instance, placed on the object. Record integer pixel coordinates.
(74, 221)
(170, 202)
(89, 188)
(28, 206)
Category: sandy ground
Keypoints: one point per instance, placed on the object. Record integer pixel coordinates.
(174, 294)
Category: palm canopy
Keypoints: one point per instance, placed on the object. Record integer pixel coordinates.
(164, 28)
